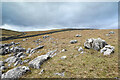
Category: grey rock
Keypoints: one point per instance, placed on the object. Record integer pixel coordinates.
(19, 54)
(0, 73)
(23, 56)
(77, 35)
(73, 41)
(107, 50)
(18, 62)
(3, 68)
(46, 36)
(1, 51)
(63, 57)
(51, 53)
(11, 59)
(107, 34)
(95, 44)
(80, 49)
(2, 63)
(26, 61)
(16, 72)
(28, 50)
(60, 74)
(37, 62)
(18, 49)
(41, 71)
(82, 52)
(111, 32)
(39, 47)
(4, 51)
(64, 50)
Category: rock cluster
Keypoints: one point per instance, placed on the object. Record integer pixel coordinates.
(107, 50)
(95, 44)
(5, 48)
(99, 44)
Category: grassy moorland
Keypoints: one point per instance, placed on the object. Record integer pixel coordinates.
(8, 33)
(90, 64)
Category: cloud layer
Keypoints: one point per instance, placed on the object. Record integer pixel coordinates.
(26, 16)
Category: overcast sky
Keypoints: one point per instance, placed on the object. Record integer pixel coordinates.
(34, 16)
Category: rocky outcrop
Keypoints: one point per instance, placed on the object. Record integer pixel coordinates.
(38, 61)
(16, 72)
(107, 50)
(95, 44)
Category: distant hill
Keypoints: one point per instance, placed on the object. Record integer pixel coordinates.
(8, 33)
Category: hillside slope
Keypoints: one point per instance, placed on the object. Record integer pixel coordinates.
(90, 64)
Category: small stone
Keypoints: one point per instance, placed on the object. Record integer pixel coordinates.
(41, 71)
(77, 35)
(3, 68)
(73, 41)
(63, 57)
(64, 50)
(60, 74)
(111, 32)
(80, 49)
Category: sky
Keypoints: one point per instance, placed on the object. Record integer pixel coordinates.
(39, 16)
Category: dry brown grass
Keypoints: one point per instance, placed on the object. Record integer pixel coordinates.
(91, 64)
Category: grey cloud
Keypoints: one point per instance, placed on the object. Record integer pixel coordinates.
(60, 14)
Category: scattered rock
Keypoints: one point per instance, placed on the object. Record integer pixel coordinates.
(5, 50)
(64, 50)
(41, 71)
(16, 72)
(111, 32)
(28, 50)
(46, 36)
(107, 34)
(19, 54)
(82, 52)
(11, 59)
(3, 68)
(63, 57)
(107, 50)
(95, 44)
(25, 39)
(60, 74)
(18, 49)
(77, 35)
(39, 47)
(26, 61)
(2, 63)
(73, 41)
(51, 53)
(80, 49)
